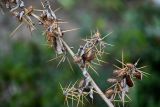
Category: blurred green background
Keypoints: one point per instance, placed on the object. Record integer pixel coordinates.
(28, 80)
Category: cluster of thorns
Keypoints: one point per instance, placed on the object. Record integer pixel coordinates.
(123, 80)
(88, 54)
(78, 93)
(46, 17)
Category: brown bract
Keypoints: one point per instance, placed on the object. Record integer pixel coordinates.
(88, 55)
(90, 50)
(53, 34)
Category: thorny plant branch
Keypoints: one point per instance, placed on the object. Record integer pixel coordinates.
(95, 86)
(53, 32)
(123, 76)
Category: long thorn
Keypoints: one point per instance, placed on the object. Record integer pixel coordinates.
(122, 59)
(70, 64)
(136, 62)
(120, 62)
(60, 61)
(106, 35)
(57, 9)
(54, 58)
(141, 67)
(117, 66)
(14, 31)
(70, 30)
(93, 69)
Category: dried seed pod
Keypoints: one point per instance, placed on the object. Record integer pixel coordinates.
(88, 55)
(50, 38)
(109, 93)
(131, 67)
(138, 75)
(129, 81)
(53, 41)
(53, 34)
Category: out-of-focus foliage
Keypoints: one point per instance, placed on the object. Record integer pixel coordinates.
(28, 80)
